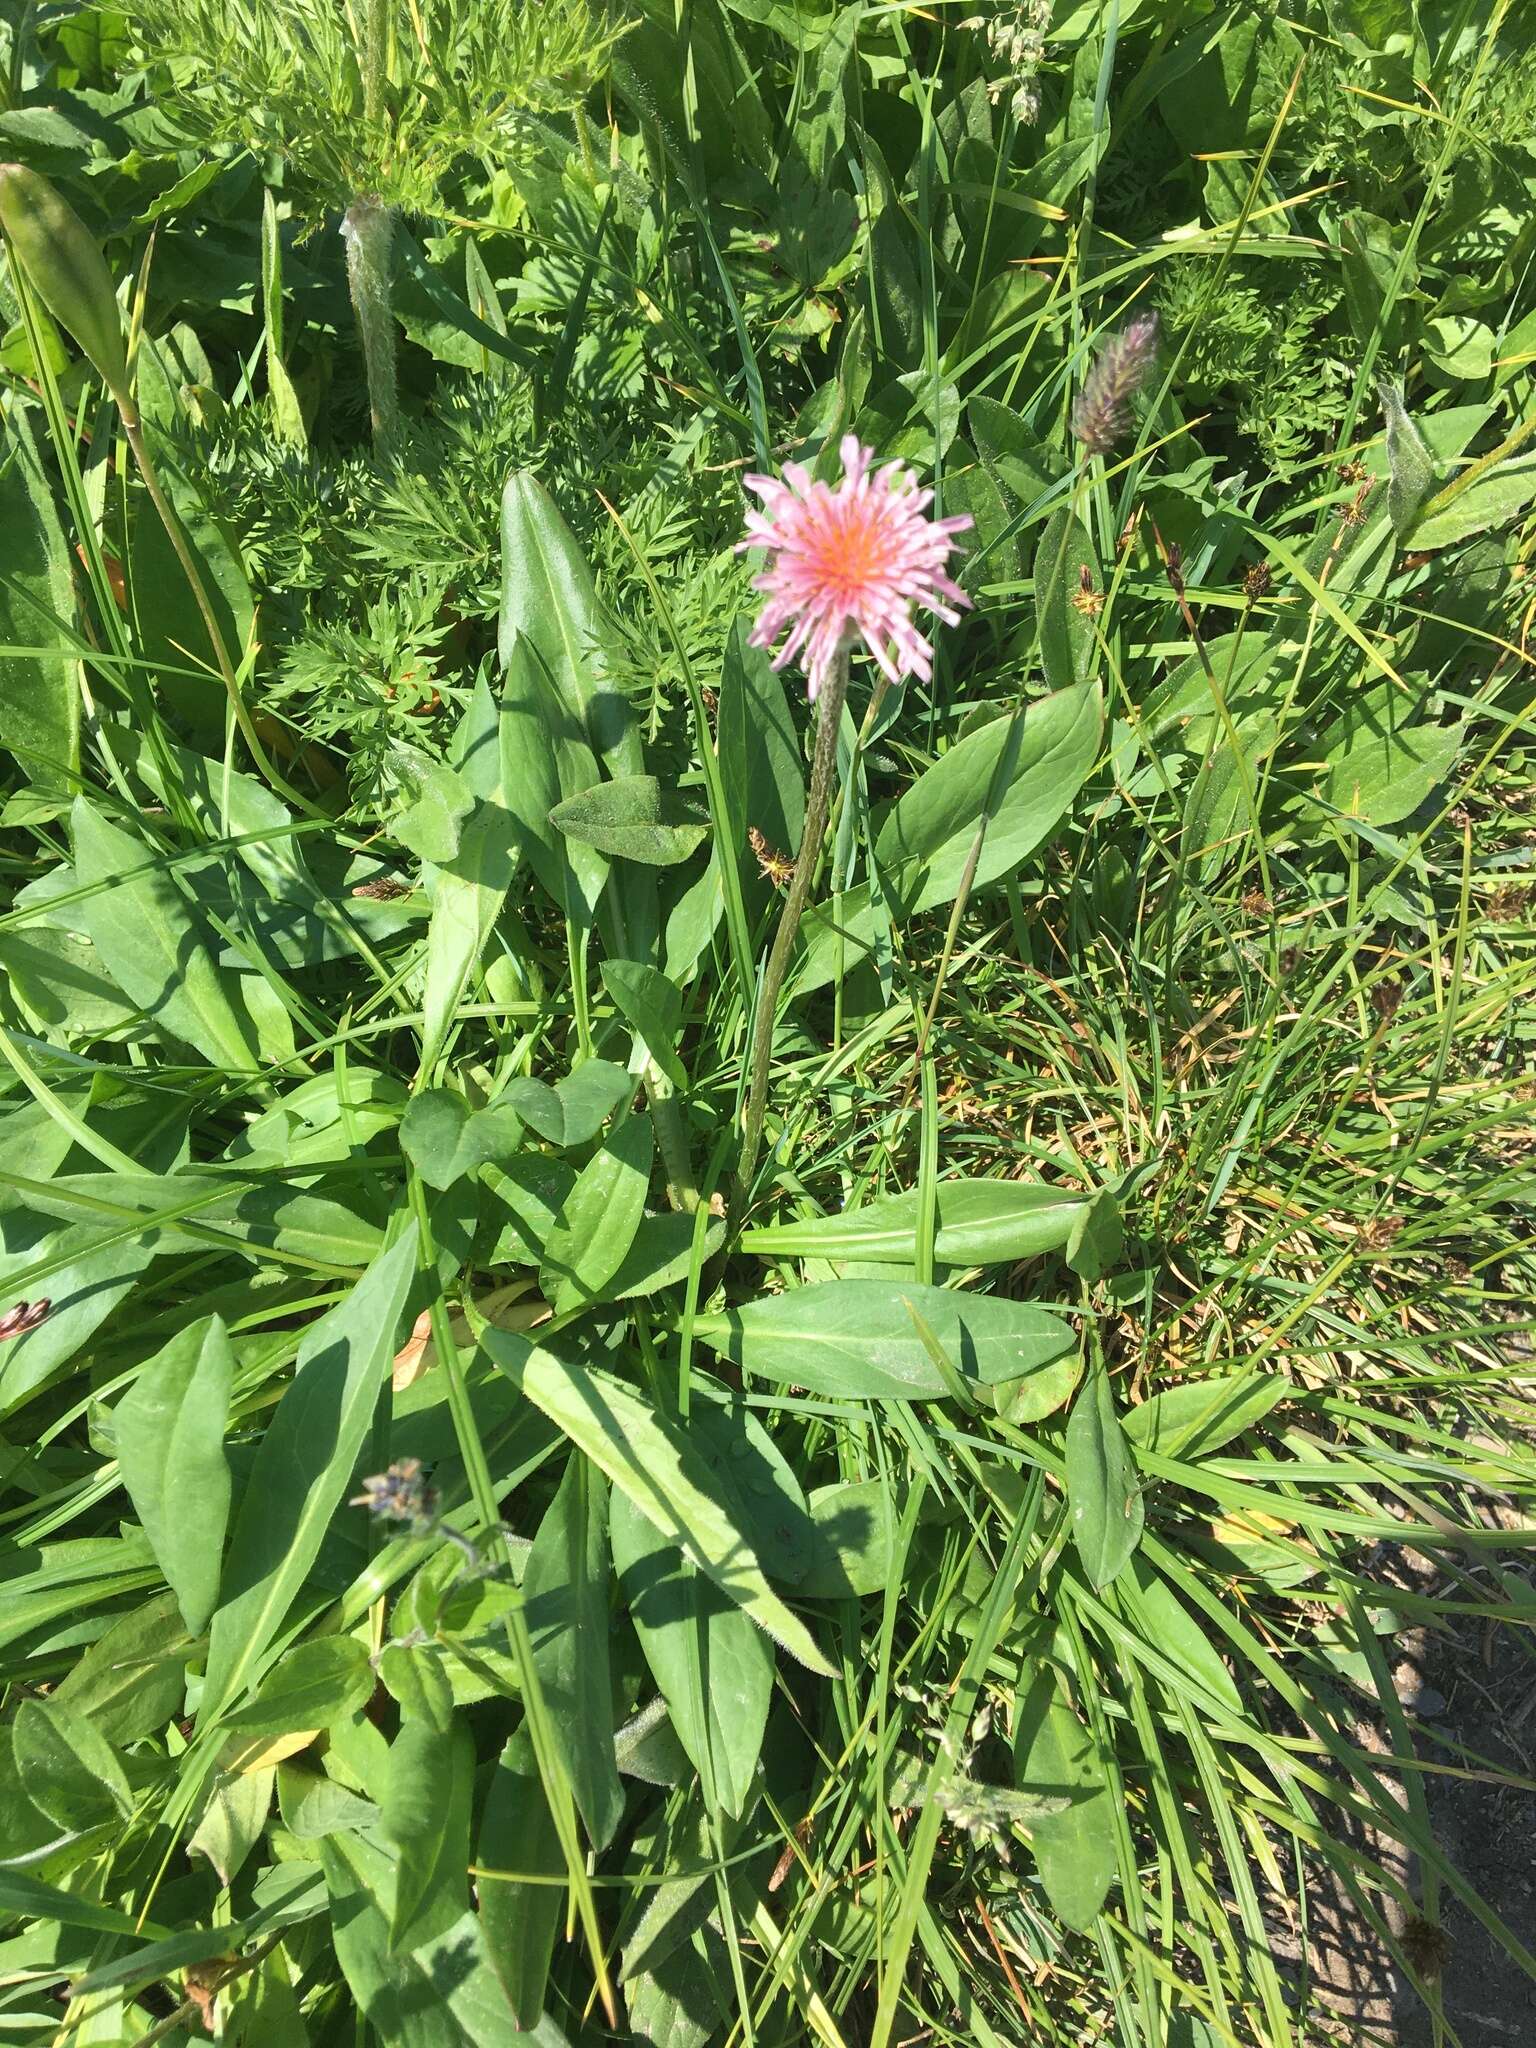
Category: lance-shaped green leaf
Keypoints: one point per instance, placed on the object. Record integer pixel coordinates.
(1103, 1489)
(596, 1226)
(549, 599)
(651, 1461)
(714, 1668)
(1055, 1757)
(520, 1920)
(979, 1223)
(39, 691)
(1064, 623)
(302, 1468)
(565, 1585)
(170, 1446)
(1040, 760)
(1410, 466)
(545, 757)
(857, 1340)
(653, 1008)
(65, 267)
(1196, 1420)
(473, 877)
(424, 1809)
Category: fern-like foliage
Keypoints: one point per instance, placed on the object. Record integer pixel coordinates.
(374, 97)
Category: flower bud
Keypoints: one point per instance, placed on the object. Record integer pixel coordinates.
(63, 265)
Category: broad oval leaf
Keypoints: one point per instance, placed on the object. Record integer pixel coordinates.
(132, 1679)
(634, 818)
(314, 1684)
(575, 1108)
(445, 1139)
(155, 946)
(1385, 754)
(854, 1527)
(234, 1820)
(858, 1340)
(1497, 496)
(68, 1768)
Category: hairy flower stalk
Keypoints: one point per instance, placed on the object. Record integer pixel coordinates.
(369, 233)
(846, 567)
(1102, 414)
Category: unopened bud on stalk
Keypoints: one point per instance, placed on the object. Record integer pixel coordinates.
(61, 261)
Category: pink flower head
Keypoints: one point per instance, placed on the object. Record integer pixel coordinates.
(849, 563)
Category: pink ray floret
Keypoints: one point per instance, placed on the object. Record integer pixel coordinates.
(849, 563)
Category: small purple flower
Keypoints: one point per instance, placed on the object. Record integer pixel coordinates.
(1102, 412)
(399, 1495)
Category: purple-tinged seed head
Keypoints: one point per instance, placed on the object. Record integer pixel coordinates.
(1102, 412)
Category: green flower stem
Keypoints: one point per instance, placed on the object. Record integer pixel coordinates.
(671, 1140)
(375, 59)
(833, 693)
(845, 796)
(369, 232)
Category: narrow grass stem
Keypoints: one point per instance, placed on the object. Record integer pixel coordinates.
(134, 431)
(833, 693)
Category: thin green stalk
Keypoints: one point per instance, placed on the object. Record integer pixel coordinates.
(168, 519)
(833, 693)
